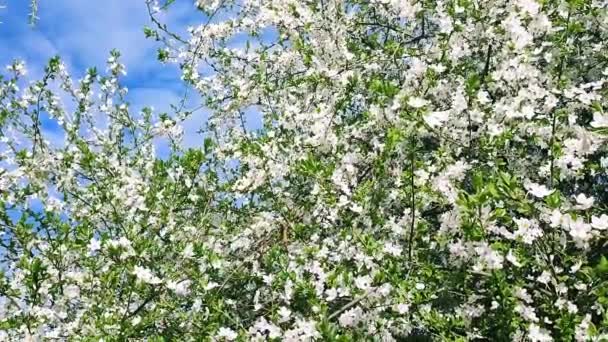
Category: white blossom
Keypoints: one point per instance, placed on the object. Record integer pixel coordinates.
(538, 190)
(583, 202)
(417, 102)
(145, 275)
(227, 334)
(538, 334)
(599, 120)
(600, 223)
(436, 119)
(351, 317)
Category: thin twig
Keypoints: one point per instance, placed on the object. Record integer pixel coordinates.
(349, 305)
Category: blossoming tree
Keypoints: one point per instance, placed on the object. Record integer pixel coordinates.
(426, 170)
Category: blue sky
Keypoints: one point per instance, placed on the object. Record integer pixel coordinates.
(83, 32)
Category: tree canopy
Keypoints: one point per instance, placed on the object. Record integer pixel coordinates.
(426, 171)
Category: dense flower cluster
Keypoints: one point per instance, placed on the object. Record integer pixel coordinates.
(426, 169)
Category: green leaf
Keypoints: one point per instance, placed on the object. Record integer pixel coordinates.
(162, 55)
(478, 181)
(602, 266)
(554, 200)
(149, 32)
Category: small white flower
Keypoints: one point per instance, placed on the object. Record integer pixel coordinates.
(527, 312)
(227, 334)
(580, 230)
(599, 120)
(458, 249)
(331, 294)
(576, 267)
(263, 326)
(529, 6)
(284, 314)
(556, 218)
(483, 97)
(523, 294)
(440, 68)
(145, 275)
(528, 230)
(420, 286)
(18, 68)
(571, 307)
(392, 249)
(363, 283)
(181, 288)
(513, 259)
(72, 291)
(351, 317)
(537, 334)
(135, 321)
(307, 330)
(417, 102)
(402, 308)
(94, 245)
(211, 285)
(436, 119)
(582, 330)
(267, 279)
(600, 223)
(188, 251)
(123, 243)
(538, 190)
(492, 259)
(544, 278)
(584, 202)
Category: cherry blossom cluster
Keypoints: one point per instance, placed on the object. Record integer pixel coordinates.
(425, 169)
